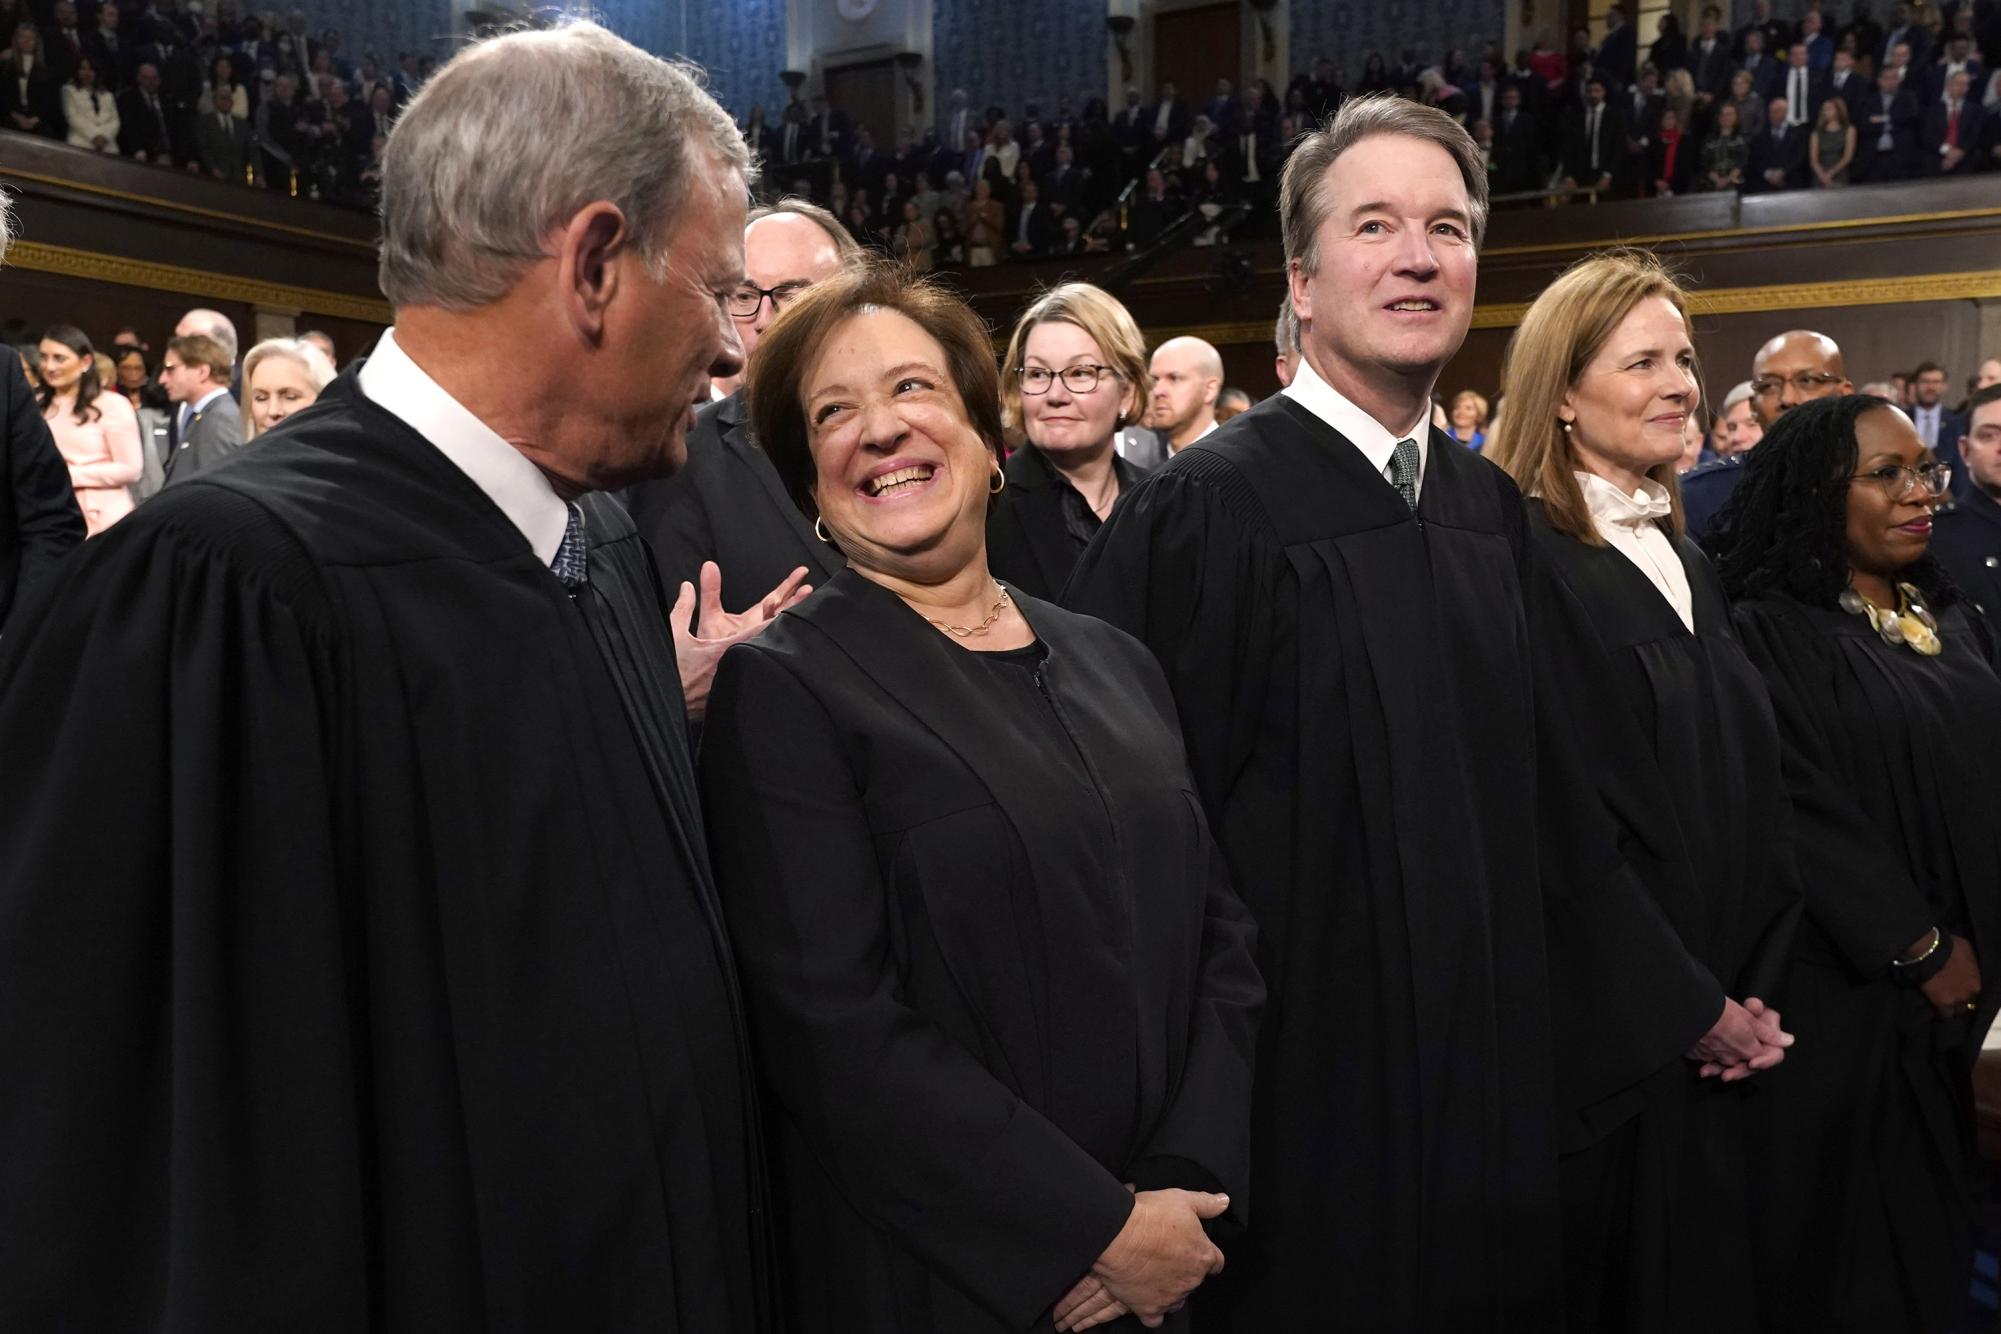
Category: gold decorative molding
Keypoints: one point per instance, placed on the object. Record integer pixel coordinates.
(42, 258)
(1970, 286)
(193, 210)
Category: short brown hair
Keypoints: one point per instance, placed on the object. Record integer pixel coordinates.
(1557, 339)
(201, 350)
(1099, 314)
(844, 241)
(787, 350)
(1303, 201)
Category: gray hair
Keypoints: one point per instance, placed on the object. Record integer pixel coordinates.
(844, 241)
(216, 325)
(1303, 201)
(516, 134)
(6, 224)
(1285, 333)
(1740, 393)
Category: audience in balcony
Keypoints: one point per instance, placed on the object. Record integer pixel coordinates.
(90, 110)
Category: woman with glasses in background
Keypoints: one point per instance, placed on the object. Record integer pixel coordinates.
(1075, 373)
(1889, 710)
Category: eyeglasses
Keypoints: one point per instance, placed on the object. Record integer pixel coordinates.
(745, 300)
(1808, 383)
(1080, 379)
(1900, 483)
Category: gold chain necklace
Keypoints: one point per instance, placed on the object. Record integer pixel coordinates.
(968, 631)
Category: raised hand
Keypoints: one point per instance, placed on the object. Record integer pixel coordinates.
(697, 652)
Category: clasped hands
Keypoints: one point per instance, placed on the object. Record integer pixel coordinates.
(1159, 1257)
(1744, 1040)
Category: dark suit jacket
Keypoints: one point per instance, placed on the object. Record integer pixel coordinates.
(1178, 121)
(1038, 235)
(44, 98)
(114, 68)
(140, 130)
(212, 435)
(1028, 544)
(1872, 163)
(1783, 150)
(1765, 75)
(1712, 75)
(40, 522)
(223, 145)
(1951, 426)
(1618, 52)
(1966, 537)
(727, 505)
(1970, 117)
(1611, 145)
(1517, 154)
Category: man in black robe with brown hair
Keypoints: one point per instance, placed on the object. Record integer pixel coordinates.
(1344, 602)
(361, 967)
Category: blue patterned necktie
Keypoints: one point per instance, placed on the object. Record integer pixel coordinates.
(1403, 472)
(572, 563)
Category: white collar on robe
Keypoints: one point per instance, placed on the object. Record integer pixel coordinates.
(400, 387)
(1377, 442)
(1608, 504)
(1627, 523)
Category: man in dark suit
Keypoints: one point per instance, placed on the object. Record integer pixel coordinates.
(1952, 131)
(1064, 179)
(1966, 535)
(39, 523)
(1776, 34)
(1618, 52)
(62, 43)
(1517, 154)
(726, 504)
(222, 142)
(1886, 140)
(1152, 212)
(1959, 57)
(1250, 168)
(1802, 86)
(115, 56)
(1169, 121)
(144, 129)
(1778, 153)
(1594, 151)
(1846, 82)
(1937, 425)
(1028, 228)
(1709, 60)
(1903, 30)
(196, 370)
(1760, 64)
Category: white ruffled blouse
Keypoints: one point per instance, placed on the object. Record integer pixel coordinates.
(1627, 523)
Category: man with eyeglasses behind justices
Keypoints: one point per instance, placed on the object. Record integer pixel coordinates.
(1790, 369)
(726, 505)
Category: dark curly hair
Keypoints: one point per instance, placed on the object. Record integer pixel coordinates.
(1784, 529)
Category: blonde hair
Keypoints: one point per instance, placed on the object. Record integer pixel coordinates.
(1557, 339)
(1099, 314)
(1479, 405)
(319, 371)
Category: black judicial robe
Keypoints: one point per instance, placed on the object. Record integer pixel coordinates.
(1357, 691)
(360, 963)
(993, 964)
(1679, 736)
(1864, 1199)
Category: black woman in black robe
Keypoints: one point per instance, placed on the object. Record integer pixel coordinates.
(1673, 721)
(995, 971)
(1889, 709)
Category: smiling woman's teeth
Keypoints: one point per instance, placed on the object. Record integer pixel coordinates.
(1413, 305)
(902, 477)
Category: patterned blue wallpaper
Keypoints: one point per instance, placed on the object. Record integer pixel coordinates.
(1347, 31)
(383, 26)
(741, 43)
(1010, 52)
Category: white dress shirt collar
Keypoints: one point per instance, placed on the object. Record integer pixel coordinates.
(400, 386)
(1628, 524)
(201, 404)
(1377, 442)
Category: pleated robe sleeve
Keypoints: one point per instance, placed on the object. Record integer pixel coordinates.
(1627, 996)
(178, 1123)
(1857, 888)
(918, 1136)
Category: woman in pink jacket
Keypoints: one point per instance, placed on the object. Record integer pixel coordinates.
(95, 428)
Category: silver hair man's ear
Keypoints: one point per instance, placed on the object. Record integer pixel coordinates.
(516, 134)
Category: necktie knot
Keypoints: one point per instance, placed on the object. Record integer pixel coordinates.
(1403, 471)
(572, 563)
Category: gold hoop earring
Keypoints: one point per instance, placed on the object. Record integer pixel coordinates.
(996, 482)
(820, 531)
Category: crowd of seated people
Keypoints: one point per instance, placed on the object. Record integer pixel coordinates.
(1772, 105)
(255, 98)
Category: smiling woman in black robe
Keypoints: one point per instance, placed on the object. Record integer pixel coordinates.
(1889, 710)
(1674, 724)
(994, 970)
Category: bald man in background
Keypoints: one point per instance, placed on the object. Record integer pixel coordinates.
(1187, 377)
(1792, 368)
(727, 505)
